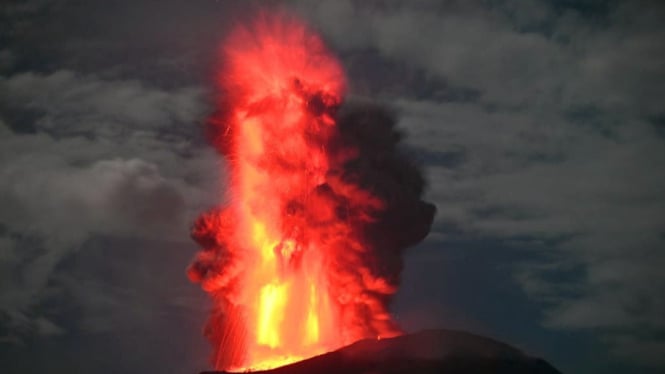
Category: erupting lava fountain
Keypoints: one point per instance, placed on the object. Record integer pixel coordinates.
(304, 257)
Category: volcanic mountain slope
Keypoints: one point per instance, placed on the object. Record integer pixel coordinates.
(430, 351)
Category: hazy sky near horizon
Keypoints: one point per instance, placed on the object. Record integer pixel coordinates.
(540, 126)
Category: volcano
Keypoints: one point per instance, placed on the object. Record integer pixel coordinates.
(429, 351)
(303, 256)
(304, 253)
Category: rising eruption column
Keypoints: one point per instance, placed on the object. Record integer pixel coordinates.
(301, 259)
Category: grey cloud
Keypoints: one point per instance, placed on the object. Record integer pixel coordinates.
(644, 349)
(102, 158)
(467, 44)
(108, 196)
(563, 59)
(74, 104)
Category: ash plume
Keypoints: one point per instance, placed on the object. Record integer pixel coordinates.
(402, 220)
(371, 265)
(307, 254)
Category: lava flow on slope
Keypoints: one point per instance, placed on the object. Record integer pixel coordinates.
(305, 254)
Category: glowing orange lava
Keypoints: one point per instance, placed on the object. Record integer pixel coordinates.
(276, 258)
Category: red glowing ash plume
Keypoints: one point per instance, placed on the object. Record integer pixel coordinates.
(306, 254)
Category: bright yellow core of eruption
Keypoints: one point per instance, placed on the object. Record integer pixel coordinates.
(289, 315)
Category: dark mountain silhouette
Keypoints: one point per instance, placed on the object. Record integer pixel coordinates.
(429, 351)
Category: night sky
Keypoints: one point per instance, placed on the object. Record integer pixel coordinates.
(540, 126)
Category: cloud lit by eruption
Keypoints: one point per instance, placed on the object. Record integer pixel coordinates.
(307, 254)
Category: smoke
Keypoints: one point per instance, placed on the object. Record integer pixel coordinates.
(382, 168)
(396, 219)
(322, 204)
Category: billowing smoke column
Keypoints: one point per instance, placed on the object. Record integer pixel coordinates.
(307, 253)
